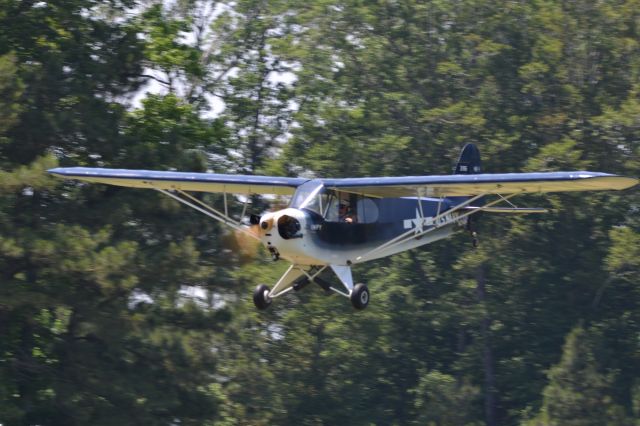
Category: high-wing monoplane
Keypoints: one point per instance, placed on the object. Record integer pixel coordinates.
(332, 224)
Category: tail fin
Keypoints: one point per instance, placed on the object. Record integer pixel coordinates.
(469, 162)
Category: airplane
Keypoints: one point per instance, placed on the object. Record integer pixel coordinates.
(333, 224)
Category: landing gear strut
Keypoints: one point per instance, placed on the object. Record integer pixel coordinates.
(299, 276)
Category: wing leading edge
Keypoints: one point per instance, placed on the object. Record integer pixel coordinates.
(468, 185)
(197, 182)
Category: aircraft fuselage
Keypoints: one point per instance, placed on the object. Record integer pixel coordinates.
(304, 237)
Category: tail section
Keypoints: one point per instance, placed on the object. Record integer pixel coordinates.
(469, 162)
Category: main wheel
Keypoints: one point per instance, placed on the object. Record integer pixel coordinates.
(261, 297)
(360, 296)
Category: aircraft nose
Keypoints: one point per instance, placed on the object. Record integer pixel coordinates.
(289, 227)
(282, 231)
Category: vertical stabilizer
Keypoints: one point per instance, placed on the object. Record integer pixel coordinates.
(469, 162)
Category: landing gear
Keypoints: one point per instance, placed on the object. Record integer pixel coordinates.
(261, 297)
(299, 276)
(360, 296)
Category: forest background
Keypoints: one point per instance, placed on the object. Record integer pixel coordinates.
(117, 306)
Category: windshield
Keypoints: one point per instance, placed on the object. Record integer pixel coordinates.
(309, 196)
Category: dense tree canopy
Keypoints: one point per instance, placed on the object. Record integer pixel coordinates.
(118, 306)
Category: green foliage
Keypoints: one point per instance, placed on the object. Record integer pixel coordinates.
(71, 59)
(256, 93)
(578, 394)
(624, 254)
(440, 400)
(31, 177)
(119, 307)
(168, 133)
(11, 88)
(165, 49)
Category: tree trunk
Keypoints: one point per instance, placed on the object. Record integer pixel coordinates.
(487, 353)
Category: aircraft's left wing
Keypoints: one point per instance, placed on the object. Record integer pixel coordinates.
(198, 182)
(476, 184)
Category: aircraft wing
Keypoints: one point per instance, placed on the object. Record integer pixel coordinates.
(475, 184)
(199, 182)
(408, 186)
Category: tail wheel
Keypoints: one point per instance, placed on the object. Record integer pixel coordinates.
(360, 296)
(261, 297)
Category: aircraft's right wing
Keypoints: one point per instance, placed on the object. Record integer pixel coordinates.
(184, 181)
(476, 184)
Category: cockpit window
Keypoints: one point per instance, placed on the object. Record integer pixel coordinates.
(367, 210)
(334, 206)
(309, 196)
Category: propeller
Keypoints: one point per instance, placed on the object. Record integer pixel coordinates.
(247, 245)
(246, 242)
(243, 245)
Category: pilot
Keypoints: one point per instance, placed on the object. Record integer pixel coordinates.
(345, 213)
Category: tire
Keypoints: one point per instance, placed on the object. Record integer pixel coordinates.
(261, 297)
(360, 296)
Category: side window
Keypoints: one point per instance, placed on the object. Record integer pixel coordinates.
(340, 207)
(367, 210)
(351, 208)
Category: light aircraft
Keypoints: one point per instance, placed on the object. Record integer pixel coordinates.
(332, 224)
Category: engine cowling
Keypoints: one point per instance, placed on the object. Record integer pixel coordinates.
(283, 234)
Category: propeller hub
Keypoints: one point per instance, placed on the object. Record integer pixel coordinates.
(289, 227)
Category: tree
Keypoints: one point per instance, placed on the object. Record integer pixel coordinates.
(71, 66)
(256, 90)
(577, 393)
(441, 400)
(81, 341)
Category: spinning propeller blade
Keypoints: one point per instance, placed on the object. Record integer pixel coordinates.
(243, 245)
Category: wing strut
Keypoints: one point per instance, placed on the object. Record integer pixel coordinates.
(437, 223)
(198, 205)
(418, 232)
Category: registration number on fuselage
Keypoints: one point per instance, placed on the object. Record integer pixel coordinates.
(430, 221)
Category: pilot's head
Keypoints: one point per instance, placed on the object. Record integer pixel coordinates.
(343, 207)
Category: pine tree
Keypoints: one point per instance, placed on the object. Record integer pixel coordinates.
(578, 394)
